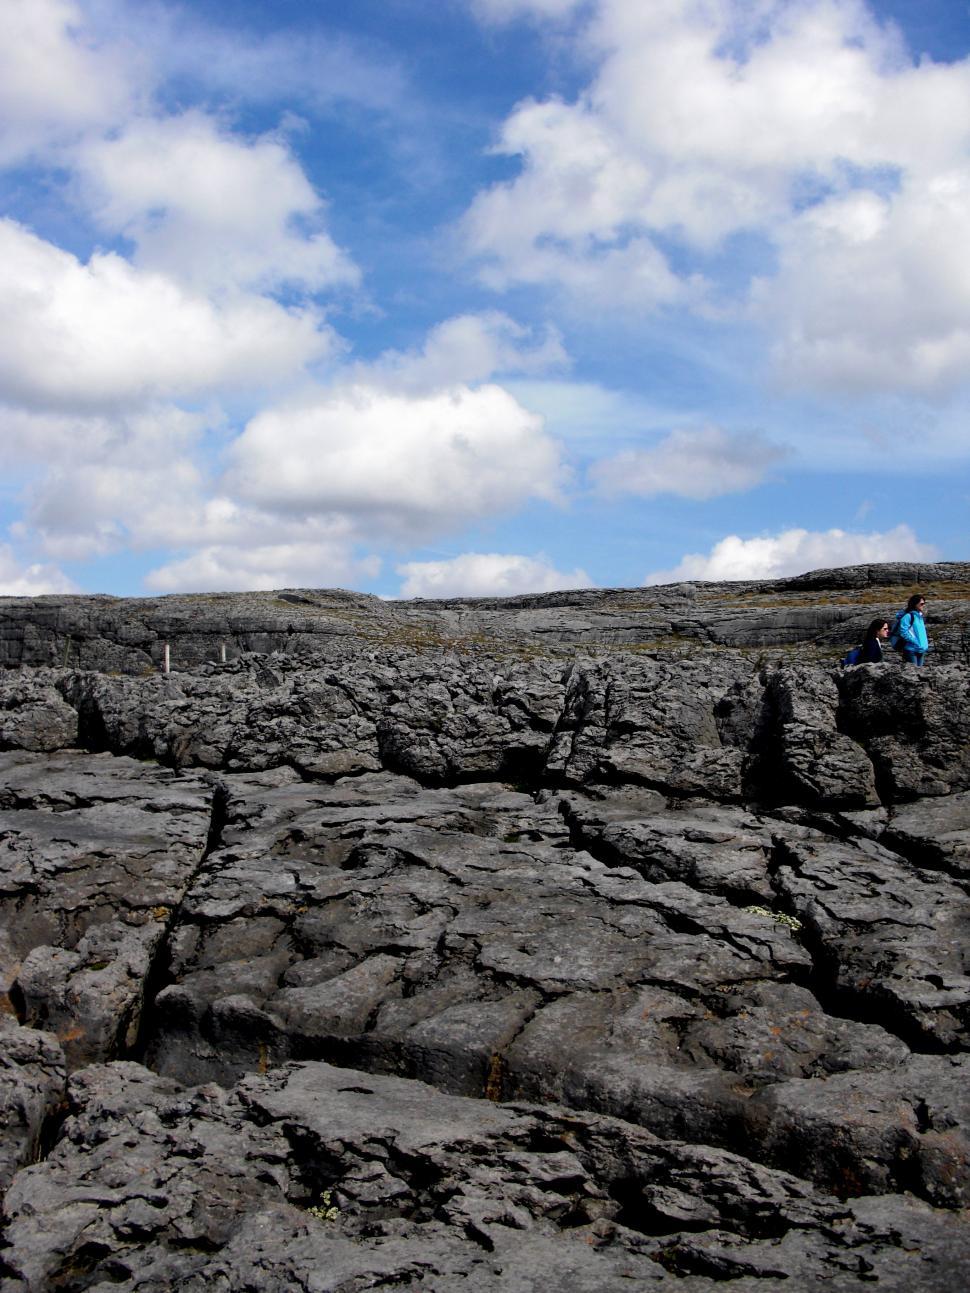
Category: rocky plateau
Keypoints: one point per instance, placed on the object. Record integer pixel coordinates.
(573, 942)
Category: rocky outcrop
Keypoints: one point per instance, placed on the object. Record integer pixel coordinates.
(816, 614)
(451, 964)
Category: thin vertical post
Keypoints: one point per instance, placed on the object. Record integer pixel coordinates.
(222, 653)
(166, 659)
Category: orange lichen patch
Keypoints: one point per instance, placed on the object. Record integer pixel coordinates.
(161, 913)
(495, 1078)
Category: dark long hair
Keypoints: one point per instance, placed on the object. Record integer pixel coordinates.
(872, 632)
(914, 601)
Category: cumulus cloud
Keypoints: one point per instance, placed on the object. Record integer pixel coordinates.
(206, 206)
(400, 464)
(32, 580)
(92, 508)
(793, 552)
(803, 124)
(873, 292)
(470, 348)
(54, 84)
(697, 463)
(567, 219)
(103, 333)
(486, 574)
(233, 568)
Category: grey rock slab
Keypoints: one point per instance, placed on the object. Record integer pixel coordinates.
(471, 720)
(651, 723)
(245, 718)
(894, 939)
(900, 1129)
(933, 832)
(768, 1071)
(33, 714)
(316, 1177)
(915, 725)
(33, 1084)
(398, 943)
(368, 929)
(715, 849)
(95, 854)
(810, 761)
(431, 715)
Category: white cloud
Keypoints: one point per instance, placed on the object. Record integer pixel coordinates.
(469, 348)
(88, 336)
(209, 207)
(398, 464)
(567, 219)
(874, 292)
(30, 581)
(793, 552)
(93, 508)
(486, 574)
(221, 568)
(28, 439)
(803, 124)
(703, 463)
(53, 82)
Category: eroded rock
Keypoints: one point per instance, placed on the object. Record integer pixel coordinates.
(704, 910)
(321, 1178)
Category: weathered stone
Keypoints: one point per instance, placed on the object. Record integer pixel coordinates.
(891, 939)
(32, 1090)
(95, 854)
(323, 1178)
(34, 715)
(704, 906)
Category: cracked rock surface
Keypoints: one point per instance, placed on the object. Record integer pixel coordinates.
(443, 966)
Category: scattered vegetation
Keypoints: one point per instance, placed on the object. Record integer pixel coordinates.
(326, 1209)
(778, 916)
(940, 590)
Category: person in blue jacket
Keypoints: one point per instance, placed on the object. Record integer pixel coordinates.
(912, 630)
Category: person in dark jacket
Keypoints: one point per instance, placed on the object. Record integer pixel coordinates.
(876, 635)
(871, 650)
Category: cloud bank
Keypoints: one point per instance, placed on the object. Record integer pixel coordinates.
(803, 125)
(793, 552)
(486, 574)
(699, 464)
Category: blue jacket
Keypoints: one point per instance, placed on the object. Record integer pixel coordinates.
(912, 630)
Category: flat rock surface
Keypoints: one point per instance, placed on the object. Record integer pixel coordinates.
(453, 945)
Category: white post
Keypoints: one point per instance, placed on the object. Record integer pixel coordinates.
(222, 653)
(166, 659)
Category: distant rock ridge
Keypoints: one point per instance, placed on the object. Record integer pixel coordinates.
(818, 610)
(581, 941)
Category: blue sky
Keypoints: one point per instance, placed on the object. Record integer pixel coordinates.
(490, 296)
